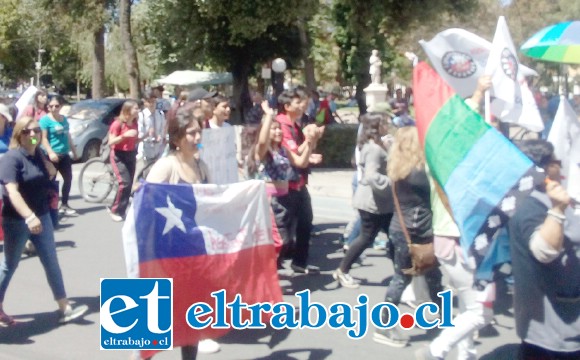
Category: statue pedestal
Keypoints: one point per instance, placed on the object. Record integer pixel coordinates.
(375, 93)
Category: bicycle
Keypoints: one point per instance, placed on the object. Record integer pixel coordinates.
(96, 180)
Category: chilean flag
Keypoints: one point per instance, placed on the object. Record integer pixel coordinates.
(207, 238)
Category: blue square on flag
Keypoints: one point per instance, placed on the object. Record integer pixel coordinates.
(136, 314)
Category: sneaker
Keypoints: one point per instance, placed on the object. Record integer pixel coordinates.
(345, 280)
(67, 210)
(391, 337)
(424, 353)
(72, 313)
(29, 249)
(114, 217)
(309, 270)
(380, 245)
(208, 346)
(5, 319)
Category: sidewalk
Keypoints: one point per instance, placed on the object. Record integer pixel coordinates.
(331, 182)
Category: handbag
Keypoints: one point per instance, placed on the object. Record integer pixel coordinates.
(422, 255)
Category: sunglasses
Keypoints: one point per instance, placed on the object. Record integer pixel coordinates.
(32, 131)
(54, 106)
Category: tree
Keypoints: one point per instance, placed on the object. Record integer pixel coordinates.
(91, 16)
(378, 24)
(231, 35)
(128, 49)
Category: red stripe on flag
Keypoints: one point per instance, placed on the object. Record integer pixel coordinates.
(431, 92)
(250, 272)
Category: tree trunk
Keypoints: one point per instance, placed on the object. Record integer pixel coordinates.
(131, 61)
(241, 93)
(308, 62)
(98, 86)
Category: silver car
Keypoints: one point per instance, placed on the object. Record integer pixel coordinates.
(89, 122)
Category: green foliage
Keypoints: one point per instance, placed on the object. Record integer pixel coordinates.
(337, 145)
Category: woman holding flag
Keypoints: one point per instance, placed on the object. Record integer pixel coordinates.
(184, 166)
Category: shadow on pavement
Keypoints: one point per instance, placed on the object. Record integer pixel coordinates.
(30, 325)
(59, 244)
(313, 354)
(255, 336)
(504, 352)
(87, 210)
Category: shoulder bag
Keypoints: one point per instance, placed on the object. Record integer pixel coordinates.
(422, 255)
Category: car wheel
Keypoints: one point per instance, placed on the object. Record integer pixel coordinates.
(92, 149)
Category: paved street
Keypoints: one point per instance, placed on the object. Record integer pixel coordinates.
(90, 248)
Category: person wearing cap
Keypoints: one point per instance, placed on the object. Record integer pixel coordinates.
(203, 97)
(5, 128)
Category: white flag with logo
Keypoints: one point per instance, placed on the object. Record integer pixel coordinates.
(565, 136)
(459, 57)
(502, 66)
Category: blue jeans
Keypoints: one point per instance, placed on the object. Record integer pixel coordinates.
(16, 233)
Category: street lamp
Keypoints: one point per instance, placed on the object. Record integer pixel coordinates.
(278, 66)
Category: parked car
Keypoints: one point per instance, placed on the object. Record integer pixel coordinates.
(89, 122)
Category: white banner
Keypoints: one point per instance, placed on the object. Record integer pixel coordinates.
(25, 99)
(219, 153)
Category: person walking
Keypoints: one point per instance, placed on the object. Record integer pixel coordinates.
(545, 248)
(25, 175)
(57, 143)
(295, 208)
(183, 165)
(411, 189)
(373, 197)
(474, 311)
(123, 138)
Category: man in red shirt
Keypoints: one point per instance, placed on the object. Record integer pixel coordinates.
(296, 207)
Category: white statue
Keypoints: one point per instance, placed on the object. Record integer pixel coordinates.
(375, 68)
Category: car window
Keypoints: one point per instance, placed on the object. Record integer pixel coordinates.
(88, 111)
(108, 119)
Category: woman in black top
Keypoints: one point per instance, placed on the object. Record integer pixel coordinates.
(406, 169)
(25, 175)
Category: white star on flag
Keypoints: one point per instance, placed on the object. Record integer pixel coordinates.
(481, 242)
(172, 216)
(508, 204)
(494, 221)
(526, 183)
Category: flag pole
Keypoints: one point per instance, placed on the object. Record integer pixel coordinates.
(487, 107)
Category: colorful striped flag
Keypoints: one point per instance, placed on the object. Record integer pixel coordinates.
(207, 238)
(483, 174)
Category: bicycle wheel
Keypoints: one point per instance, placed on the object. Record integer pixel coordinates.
(96, 180)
